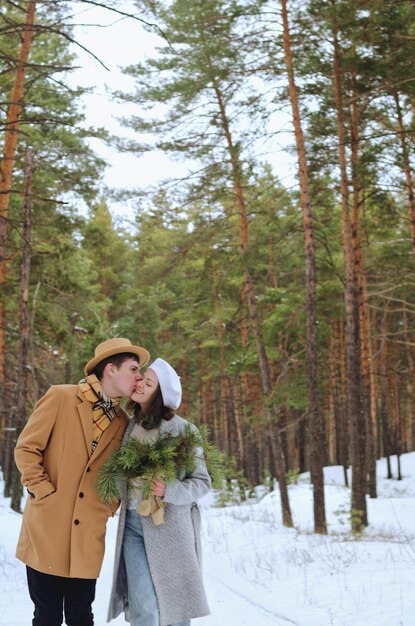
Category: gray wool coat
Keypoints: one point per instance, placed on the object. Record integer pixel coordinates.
(173, 548)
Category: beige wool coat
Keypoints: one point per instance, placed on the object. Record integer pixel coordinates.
(64, 521)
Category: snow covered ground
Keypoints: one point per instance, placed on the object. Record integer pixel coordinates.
(259, 573)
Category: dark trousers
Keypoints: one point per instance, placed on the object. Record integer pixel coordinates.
(52, 595)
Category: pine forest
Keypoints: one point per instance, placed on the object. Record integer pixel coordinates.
(287, 305)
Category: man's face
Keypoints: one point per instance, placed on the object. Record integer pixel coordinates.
(123, 380)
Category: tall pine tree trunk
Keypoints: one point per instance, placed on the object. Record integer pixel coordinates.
(275, 439)
(406, 167)
(6, 171)
(314, 414)
(410, 381)
(337, 399)
(238, 422)
(369, 388)
(345, 425)
(360, 278)
(23, 349)
(353, 347)
(253, 461)
(223, 379)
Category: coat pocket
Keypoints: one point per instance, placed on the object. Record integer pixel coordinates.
(43, 500)
(197, 522)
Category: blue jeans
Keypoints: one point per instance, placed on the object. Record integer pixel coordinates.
(141, 593)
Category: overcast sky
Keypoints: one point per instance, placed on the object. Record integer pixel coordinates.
(118, 42)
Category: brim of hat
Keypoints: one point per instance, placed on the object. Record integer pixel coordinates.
(142, 353)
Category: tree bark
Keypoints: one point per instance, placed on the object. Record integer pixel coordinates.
(238, 423)
(410, 381)
(360, 278)
(345, 425)
(369, 388)
(253, 313)
(406, 167)
(223, 379)
(22, 373)
(316, 438)
(353, 361)
(6, 171)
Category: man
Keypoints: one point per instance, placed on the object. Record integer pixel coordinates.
(70, 435)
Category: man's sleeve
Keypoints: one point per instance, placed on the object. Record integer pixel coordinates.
(32, 442)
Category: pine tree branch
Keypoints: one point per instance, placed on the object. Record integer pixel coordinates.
(164, 459)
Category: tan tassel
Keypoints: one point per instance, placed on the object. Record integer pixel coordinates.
(154, 507)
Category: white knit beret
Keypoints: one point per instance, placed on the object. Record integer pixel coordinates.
(169, 381)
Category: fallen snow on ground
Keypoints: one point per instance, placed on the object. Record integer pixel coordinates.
(259, 573)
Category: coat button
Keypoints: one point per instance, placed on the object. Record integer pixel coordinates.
(76, 522)
(81, 495)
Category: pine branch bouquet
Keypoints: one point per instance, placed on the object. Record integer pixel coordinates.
(163, 459)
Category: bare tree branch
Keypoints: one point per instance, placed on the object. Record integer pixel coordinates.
(124, 14)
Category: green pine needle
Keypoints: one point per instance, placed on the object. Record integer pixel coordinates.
(165, 459)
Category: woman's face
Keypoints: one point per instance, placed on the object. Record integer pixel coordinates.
(146, 389)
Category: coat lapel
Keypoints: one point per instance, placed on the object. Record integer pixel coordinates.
(85, 414)
(108, 434)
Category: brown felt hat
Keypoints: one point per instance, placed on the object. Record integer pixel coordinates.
(116, 346)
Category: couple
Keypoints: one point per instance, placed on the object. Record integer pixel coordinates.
(71, 433)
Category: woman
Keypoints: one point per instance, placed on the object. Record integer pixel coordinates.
(157, 572)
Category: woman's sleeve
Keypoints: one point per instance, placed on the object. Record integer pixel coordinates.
(193, 486)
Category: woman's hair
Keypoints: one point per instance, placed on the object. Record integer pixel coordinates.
(154, 414)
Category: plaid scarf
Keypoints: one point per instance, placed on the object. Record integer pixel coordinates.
(103, 408)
